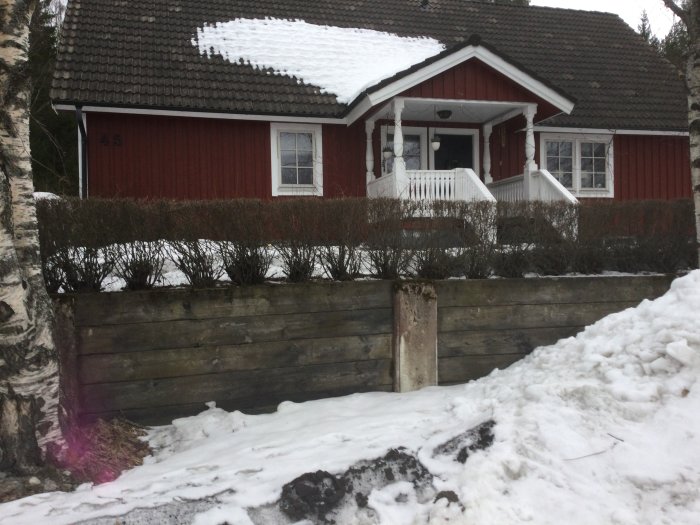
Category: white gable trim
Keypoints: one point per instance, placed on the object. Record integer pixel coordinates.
(489, 58)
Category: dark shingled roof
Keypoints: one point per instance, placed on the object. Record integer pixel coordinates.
(136, 53)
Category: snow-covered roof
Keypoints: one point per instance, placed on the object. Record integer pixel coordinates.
(342, 61)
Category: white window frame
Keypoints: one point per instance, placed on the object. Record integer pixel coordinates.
(279, 189)
(407, 130)
(474, 133)
(577, 139)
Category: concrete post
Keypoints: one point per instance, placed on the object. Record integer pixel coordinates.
(415, 336)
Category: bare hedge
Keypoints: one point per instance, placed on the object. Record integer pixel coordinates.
(83, 241)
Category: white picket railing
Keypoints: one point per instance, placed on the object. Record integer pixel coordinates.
(383, 187)
(511, 189)
(540, 185)
(431, 185)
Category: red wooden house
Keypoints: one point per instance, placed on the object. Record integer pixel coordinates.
(420, 99)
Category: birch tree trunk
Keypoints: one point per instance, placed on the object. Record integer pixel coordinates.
(28, 361)
(689, 13)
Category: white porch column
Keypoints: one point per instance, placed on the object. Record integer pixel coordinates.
(488, 129)
(369, 158)
(529, 113)
(399, 162)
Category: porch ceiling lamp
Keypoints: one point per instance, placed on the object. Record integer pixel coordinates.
(387, 153)
(444, 114)
(435, 142)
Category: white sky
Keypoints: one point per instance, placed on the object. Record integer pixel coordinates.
(629, 10)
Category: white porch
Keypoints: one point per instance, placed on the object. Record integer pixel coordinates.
(464, 183)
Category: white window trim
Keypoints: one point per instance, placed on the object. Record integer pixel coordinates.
(279, 189)
(407, 130)
(609, 191)
(474, 133)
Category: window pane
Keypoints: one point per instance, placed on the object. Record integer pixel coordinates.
(304, 141)
(289, 176)
(586, 179)
(552, 149)
(305, 159)
(586, 164)
(411, 146)
(599, 179)
(288, 141)
(306, 176)
(586, 149)
(566, 179)
(412, 163)
(565, 149)
(599, 165)
(553, 164)
(566, 164)
(289, 158)
(599, 150)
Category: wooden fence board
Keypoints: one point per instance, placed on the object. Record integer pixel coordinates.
(462, 369)
(177, 304)
(253, 405)
(181, 362)
(550, 290)
(233, 331)
(234, 385)
(455, 319)
(523, 341)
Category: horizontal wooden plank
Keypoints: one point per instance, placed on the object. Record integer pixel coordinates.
(253, 405)
(182, 303)
(181, 362)
(233, 331)
(235, 385)
(512, 317)
(550, 290)
(463, 369)
(523, 341)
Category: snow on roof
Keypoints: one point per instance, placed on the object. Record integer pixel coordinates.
(342, 61)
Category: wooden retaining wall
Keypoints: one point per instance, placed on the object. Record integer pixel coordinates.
(152, 356)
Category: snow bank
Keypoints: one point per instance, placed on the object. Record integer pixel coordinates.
(342, 61)
(600, 428)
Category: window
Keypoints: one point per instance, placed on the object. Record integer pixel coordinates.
(582, 163)
(415, 142)
(297, 165)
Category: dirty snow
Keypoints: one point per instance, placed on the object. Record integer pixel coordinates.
(342, 61)
(602, 428)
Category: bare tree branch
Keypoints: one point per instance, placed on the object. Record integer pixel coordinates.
(681, 13)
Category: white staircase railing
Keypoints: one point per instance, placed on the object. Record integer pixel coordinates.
(426, 186)
(539, 185)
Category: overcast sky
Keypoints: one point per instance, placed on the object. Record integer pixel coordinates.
(629, 10)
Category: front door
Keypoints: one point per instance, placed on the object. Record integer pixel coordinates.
(456, 151)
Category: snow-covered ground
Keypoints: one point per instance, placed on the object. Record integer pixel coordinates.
(603, 428)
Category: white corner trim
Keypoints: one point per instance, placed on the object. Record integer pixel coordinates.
(602, 131)
(491, 59)
(577, 191)
(278, 189)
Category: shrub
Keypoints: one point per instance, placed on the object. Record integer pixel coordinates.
(84, 269)
(245, 263)
(139, 263)
(344, 229)
(389, 249)
(198, 261)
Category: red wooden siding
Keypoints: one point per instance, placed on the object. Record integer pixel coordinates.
(474, 80)
(508, 149)
(196, 158)
(651, 167)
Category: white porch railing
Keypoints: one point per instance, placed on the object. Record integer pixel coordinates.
(431, 185)
(539, 185)
(511, 189)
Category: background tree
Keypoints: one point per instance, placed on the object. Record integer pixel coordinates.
(689, 14)
(53, 136)
(645, 31)
(28, 361)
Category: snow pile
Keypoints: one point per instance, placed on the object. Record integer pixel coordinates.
(600, 428)
(342, 61)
